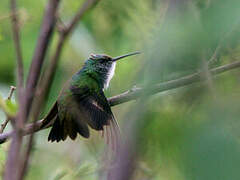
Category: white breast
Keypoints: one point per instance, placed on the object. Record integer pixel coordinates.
(110, 75)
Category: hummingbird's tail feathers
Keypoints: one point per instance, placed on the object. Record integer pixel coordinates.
(67, 127)
(56, 133)
(112, 135)
(117, 133)
(50, 116)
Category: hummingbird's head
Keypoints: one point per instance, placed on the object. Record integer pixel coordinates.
(104, 66)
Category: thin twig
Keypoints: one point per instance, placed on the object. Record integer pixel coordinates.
(4, 124)
(12, 89)
(135, 93)
(19, 59)
(20, 75)
(41, 49)
(85, 7)
(16, 38)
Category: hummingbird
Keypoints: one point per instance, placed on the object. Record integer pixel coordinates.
(82, 104)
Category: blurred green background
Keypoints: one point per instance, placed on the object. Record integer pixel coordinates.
(185, 134)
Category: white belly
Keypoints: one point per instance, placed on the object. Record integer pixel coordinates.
(110, 75)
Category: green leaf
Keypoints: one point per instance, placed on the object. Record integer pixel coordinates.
(12, 107)
(8, 107)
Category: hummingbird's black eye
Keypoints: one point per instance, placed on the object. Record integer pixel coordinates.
(102, 60)
(106, 58)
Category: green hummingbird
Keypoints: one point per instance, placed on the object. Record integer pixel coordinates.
(82, 103)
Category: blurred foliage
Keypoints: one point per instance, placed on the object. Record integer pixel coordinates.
(187, 133)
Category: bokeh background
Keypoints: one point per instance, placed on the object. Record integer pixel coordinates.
(188, 133)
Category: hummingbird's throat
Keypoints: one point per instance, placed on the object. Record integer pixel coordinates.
(110, 75)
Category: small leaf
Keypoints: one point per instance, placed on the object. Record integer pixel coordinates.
(8, 107)
(12, 107)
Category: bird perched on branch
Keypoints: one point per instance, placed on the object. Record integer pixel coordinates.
(82, 103)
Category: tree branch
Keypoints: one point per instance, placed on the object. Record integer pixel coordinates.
(15, 146)
(16, 38)
(85, 7)
(135, 93)
(41, 49)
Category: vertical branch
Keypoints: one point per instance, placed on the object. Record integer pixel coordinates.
(13, 165)
(41, 49)
(14, 149)
(16, 38)
(49, 21)
(17, 44)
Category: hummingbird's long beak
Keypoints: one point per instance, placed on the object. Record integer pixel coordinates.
(126, 55)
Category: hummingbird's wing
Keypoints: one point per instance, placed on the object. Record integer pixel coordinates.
(78, 108)
(99, 113)
(65, 119)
